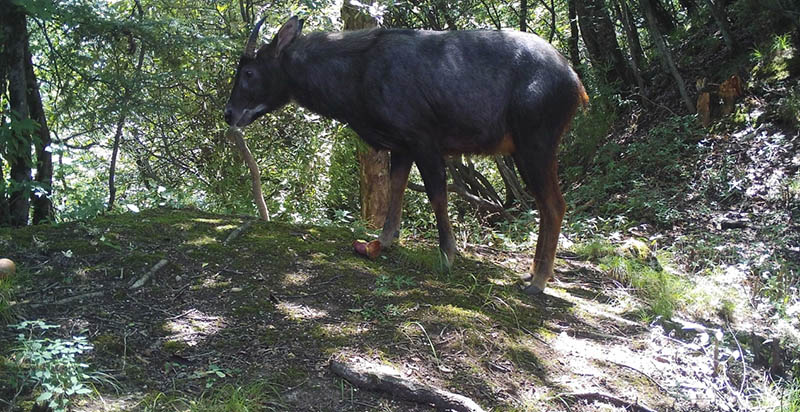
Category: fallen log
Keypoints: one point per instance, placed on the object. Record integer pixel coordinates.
(376, 377)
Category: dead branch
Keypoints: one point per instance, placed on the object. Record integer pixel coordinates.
(663, 389)
(70, 299)
(237, 232)
(142, 280)
(604, 397)
(370, 376)
(480, 203)
(235, 134)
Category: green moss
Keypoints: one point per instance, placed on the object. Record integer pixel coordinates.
(457, 316)
(174, 346)
(594, 249)
(109, 344)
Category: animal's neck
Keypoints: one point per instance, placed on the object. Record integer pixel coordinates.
(324, 71)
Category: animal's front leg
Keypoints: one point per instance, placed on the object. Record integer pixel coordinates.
(432, 169)
(398, 176)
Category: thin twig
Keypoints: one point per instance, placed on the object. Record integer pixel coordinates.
(70, 299)
(741, 355)
(308, 295)
(656, 104)
(641, 372)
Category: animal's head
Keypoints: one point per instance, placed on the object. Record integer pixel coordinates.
(260, 85)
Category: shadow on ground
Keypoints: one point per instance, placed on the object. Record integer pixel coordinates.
(275, 304)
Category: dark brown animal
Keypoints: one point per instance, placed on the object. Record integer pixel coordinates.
(424, 95)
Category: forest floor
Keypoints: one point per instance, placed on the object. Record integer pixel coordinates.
(258, 319)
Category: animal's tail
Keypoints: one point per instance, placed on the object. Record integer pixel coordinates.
(583, 98)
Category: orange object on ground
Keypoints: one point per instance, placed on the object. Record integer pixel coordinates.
(369, 249)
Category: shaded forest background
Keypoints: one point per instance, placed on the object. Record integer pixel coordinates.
(690, 143)
(116, 104)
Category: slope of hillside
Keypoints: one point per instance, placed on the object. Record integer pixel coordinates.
(255, 320)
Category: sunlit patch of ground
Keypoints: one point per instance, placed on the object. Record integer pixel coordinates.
(193, 326)
(297, 311)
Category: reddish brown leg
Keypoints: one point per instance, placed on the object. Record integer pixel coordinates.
(433, 173)
(551, 207)
(543, 183)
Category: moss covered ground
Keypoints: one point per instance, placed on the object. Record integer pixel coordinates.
(251, 324)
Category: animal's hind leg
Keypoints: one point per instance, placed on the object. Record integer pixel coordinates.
(432, 169)
(540, 171)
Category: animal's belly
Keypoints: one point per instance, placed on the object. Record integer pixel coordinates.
(503, 145)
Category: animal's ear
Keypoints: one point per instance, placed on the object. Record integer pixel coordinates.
(290, 30)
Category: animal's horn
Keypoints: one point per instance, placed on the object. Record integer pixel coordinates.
(250, 48)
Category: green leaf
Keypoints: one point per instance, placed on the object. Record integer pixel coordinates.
(44, 396)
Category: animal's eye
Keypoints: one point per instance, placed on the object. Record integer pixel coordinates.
(248, 73)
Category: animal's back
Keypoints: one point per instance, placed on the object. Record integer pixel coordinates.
(406, 89)
(461, 87)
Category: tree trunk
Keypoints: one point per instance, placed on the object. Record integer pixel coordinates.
(523, 15)
(718, 12)
(574, 53)
(634, 44)
(663, 49)
(4, 66)
(373, 164)
(664, 19)
(601, 43)
(20, 152)
(42, 201)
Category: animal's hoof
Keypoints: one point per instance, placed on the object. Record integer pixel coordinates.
(369, 249)
(533, 290)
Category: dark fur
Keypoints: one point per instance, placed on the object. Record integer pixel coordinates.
(426, 94)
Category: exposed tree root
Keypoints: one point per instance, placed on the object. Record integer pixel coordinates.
(235, 135)
(375, 377)
(238, 231)
(604, 397)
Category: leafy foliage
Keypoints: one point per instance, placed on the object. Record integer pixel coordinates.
(52, 366)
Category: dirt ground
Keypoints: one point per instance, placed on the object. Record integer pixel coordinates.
(277, 303)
